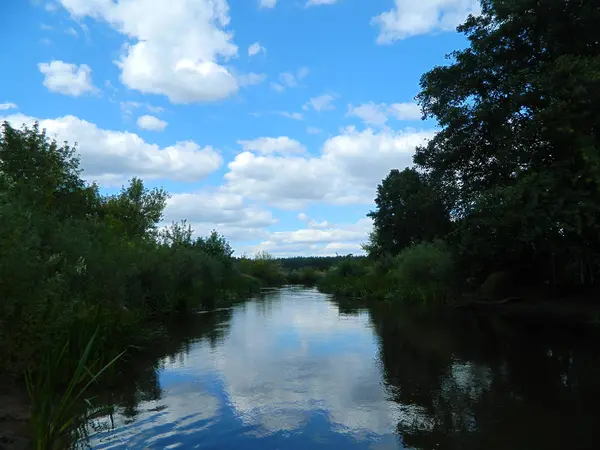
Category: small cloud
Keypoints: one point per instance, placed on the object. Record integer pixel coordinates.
(302, 217)
(277, 87)
(50, 6)
(270, 145)
(251, 79)
(6, 106)
(378, 114)
(255, 49)
(46, 27)
(313, 130)
(320, 2)
(151, 123)
(72, 31)
(320, 103)
(46, 41)
(290, 80)
(303, 73)
(155, 109)
(294, 115)
(268, 3)
(67, 79)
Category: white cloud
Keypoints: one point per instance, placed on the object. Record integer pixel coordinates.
(112, 157)
(320, 2)
(151, 123)
(268, 3)
(405, 111)
(6, 106)
(173, 48)
(347, 171)
(313, 130)
(290, 80)
(251, 79)
(128, 107)
(293, 115)
(255, 49)
(68, 79)
(302, 217)
(277, 87)
(320, 103)
(409, 18)
(270, 145)
(378, 114)
(226, 212)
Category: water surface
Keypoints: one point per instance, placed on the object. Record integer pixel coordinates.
(296, 369)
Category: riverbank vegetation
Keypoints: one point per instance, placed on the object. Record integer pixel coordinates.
(75, 264)
(504, 201)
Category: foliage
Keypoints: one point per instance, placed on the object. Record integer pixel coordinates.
(264, 268)
(422, 273)
(56, 411)
(409, 210)
(519, 145)
(511, 182)
(73, 261)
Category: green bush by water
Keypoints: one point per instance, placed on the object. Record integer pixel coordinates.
(421, 273)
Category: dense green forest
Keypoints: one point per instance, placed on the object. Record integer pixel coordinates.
(505, 199)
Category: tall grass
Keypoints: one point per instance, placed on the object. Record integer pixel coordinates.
(58, 411)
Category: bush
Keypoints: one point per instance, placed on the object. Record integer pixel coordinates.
(424, 272)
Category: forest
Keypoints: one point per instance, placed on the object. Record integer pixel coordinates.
(504, 201)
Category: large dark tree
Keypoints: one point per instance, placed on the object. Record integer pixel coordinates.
(520, 139)
(408, 211)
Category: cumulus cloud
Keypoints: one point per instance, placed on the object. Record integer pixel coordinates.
(378, 114)
(173, 48)
(269, 145)
(320, 103)
(112, 157)
(347, 171)
(228, 213)
(313, 130)
(151, 123)
(255, 49)
(68, 79)
(6, 106)
(409, 18)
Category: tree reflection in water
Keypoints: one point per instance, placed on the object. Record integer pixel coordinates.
(468, 382)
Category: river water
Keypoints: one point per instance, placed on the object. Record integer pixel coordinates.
(296, 369)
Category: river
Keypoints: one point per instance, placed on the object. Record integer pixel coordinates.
(296, 369)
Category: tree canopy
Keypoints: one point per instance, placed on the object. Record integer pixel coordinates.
(517, 157)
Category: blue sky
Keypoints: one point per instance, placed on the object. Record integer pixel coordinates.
(271, 121)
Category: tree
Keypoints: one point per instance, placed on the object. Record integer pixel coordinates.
(520, 142)
(44, 174)
(136, 210)
(408, 211)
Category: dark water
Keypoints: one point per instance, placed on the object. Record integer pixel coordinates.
(294, 369)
